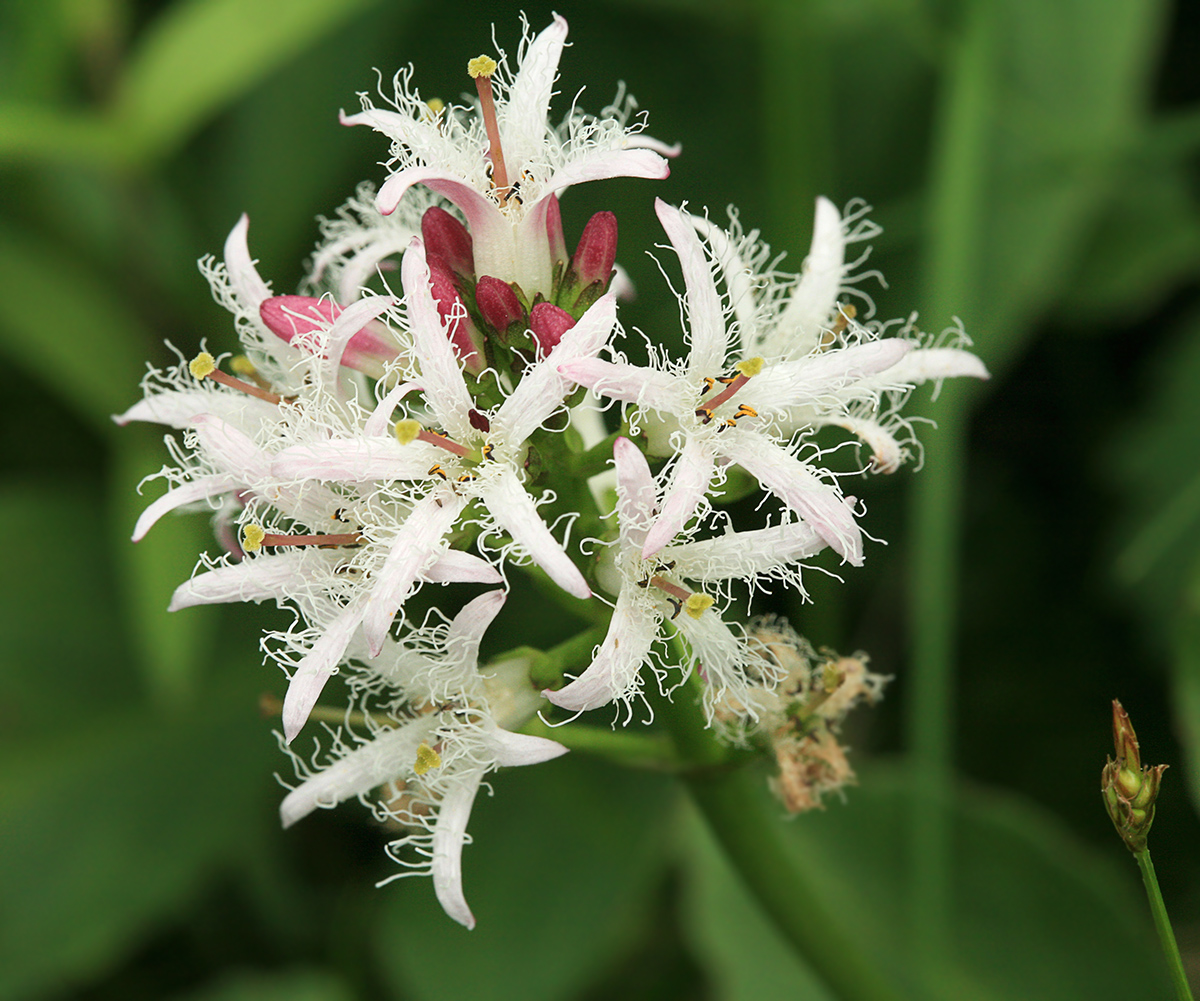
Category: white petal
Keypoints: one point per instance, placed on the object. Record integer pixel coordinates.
(702, 302)
(337, 338)
(455, 566)
(515, 512)
(176, 408)
(513, 749)
(230, 449)
(598, 165)
(690, 478)
(524, 117)
(187, 493)
(356, 459)
(636, 495)
(248, 286)
(542, 390)
(813, 301)
(381, 416)
(485, 221)
(744, 554)
(412, 552)
(468, 626)
(257, 579)
(739, 280)
(390, 755)
(445, 390)
(795, 483)
(647, 387)
(448, 838)
(613, 672)
(887, 454)
(315, 669)
(924, 364)
(844, 373)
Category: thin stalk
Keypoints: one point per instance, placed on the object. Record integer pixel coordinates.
(1162, 924)
(651, 752)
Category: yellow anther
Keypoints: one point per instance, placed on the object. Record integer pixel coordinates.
(750, 367)
(849, 310)
(252, 538)
(427, 759)
(407, 431)
(435, 106)
(241, 365)
(202, 365)
(481, 66)
(698, 604)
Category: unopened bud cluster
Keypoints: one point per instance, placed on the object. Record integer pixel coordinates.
(1129, 788)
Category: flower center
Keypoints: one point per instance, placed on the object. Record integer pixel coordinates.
(746, 370)
(695, 603)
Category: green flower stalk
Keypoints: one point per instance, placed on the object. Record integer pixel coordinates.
(1129, 791)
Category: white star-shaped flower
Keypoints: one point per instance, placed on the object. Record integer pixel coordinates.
(652, 589)
(503, 164)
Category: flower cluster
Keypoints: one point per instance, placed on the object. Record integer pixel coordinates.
(373, 440)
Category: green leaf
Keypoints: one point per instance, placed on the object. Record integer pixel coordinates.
(110, 827)
(65, 657)
(201, 54)
(33, 132)
(559, 878)
(1035, 914)
(69, 330)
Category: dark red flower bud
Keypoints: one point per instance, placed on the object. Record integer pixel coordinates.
(597, 250)
(548, 323)
(453, 311)
(554, 231)
(498, 304)
(448, 238)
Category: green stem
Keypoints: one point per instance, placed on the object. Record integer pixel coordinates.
(958, 189)
(1163, 925)
(746, 822)
(653, 752)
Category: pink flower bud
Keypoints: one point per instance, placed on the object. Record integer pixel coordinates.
(448, 239)
(453, 312)
(554, 231)
(292, 316)
(548, 323)
(597, 250)
(498, 303)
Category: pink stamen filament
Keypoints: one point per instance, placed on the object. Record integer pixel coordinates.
(443, 442)
(727, 392)
(672, 589)
(346, 539)
(245, 387)
(483, 84)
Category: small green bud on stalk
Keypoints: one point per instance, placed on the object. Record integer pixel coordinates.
(1128, 788)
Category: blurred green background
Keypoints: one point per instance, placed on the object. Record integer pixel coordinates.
(1034, 165)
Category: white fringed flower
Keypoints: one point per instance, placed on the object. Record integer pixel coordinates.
(798, 322)
(436, 726)
(652, 589)
(502, 162)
